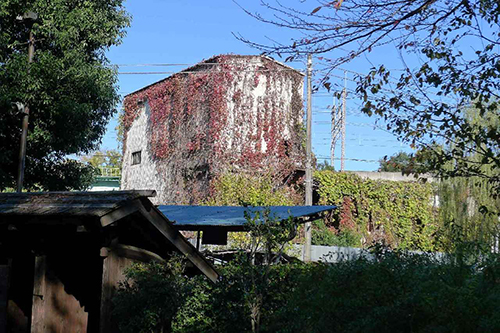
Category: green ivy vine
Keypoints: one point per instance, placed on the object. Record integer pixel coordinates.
(399, 214)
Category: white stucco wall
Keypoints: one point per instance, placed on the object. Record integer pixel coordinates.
(140, 176)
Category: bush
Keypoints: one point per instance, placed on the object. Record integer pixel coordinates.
(396, 292)
(321, 235)
(150, 296)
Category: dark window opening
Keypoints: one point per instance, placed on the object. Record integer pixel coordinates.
(136, 157)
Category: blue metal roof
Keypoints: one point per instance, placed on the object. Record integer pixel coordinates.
(231, 217)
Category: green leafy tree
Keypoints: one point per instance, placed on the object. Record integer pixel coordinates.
(104, 159)
(397, 162)
(455, 45)
(469, 213)
(70, 87)
(324, 166)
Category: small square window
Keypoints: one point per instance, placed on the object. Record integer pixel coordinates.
(136, 157)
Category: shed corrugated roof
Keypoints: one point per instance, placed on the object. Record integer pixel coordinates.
(232, 217)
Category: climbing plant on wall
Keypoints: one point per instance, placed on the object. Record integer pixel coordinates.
(228, 112)
(233, 189)
(400, 214)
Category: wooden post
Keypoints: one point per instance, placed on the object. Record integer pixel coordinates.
(113, 267)
(39, 293)
(107, 289)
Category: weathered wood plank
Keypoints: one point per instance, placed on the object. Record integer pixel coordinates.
(39, 285)
(120, 213)
(67, 203)
(112, 273)
(159, 221)
(55, 307)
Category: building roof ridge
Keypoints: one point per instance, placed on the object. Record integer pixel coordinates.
(213, 58)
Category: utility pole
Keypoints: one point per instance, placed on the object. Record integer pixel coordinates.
(333, 134)
(336, 128)
(344, 97)
(29, 18)
(307, 245)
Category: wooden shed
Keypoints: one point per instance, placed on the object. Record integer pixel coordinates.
(63, 253)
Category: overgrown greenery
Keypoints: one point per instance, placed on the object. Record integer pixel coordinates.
(249, 283)
(70, 87)
(399, 214)
(380, 291)
(236, 189)
(150, 296)
(395, 292)
(322, 234)
(468, 213)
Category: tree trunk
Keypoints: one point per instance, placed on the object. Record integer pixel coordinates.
(255, 315)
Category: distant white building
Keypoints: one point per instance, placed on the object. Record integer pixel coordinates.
(107, 180)
(229, 113)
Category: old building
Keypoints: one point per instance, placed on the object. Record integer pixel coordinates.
(230, 113)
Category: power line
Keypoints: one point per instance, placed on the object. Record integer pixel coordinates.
(319, 157)
(186, 64)
(364, 140)
(361, 145)
(212, 72)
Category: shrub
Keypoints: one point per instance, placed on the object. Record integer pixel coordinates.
(395, 292)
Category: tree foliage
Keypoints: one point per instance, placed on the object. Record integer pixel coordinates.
(468, 213)
(150, 296)
(397, 162)
(70, 87)
(104, 159)
(455, 44)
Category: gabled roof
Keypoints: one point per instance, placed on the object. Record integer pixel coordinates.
(128, 216)
(213, 60)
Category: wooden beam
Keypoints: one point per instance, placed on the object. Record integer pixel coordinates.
(161, 223)
(120, 213)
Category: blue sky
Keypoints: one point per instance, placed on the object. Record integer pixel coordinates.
(185, 32)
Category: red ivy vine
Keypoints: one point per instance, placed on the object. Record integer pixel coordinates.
(190, 112)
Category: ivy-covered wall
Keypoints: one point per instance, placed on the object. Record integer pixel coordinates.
(400, 214)
(232, 189)
(242, 113)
